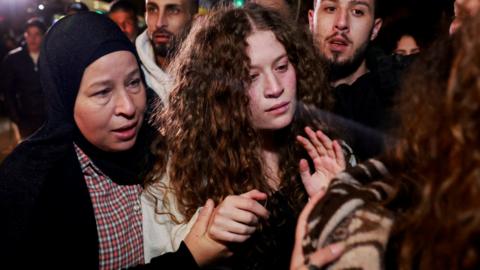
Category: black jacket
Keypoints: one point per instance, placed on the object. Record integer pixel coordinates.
(20, 85)
(47, 218)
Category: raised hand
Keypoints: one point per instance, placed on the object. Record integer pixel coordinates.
(237, 216)
(328, 160)
(320, 257)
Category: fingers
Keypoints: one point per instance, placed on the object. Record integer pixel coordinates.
(304, 170)
(204, 216)
(339, 156)
(327, 254)
(236, 218)
(226, 236)
(249, 201)
(308, 146)
(318, 144)
(297, 261)
(302, 219)
(322, 142)
(255, 195)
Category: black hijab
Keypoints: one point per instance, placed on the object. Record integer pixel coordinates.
(42, 191)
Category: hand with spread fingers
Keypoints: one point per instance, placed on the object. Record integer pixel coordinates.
(236, 218)
(328, 160)
(319, 258)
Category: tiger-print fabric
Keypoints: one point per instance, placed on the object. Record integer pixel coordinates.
(351, 211)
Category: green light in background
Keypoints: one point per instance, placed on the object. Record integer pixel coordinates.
(238, 3)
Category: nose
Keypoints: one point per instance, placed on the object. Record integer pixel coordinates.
(123, 27)
(342, 20)
(161, 19)
(273, 86)
(124, 105)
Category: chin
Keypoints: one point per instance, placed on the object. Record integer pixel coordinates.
(278, 124)
(122, 146)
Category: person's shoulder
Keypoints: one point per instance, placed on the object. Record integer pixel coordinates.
(16, 52)
(15, 55)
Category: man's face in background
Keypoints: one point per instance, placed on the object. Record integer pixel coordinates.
(166, 19)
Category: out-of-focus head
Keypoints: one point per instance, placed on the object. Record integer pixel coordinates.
(34, 31)
(406, 45)
(76, 7)
(280, 6)
(446, 196)
(342, 31)
(293, 9)
(463, 9)
(166, 21)
(124, 14)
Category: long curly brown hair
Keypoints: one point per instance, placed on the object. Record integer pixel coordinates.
(441, 152)
(210, 146)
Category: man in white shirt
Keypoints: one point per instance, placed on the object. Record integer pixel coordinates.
(167, 21)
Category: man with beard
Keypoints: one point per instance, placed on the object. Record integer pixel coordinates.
(363, 85)
(167, 21)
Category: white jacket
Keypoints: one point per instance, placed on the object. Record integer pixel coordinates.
(156, 78)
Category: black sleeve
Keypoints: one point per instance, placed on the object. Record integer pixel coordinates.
(7, 89)
(180, 259)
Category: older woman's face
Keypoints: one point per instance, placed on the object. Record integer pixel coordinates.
(111, 102)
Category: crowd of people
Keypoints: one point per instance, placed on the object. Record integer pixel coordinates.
(267, 136)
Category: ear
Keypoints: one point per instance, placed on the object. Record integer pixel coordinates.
(311, 15)
(376, 28)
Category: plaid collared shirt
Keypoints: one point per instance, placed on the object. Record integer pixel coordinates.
(118, 215)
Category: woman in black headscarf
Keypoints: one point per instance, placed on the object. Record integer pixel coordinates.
(70, 194)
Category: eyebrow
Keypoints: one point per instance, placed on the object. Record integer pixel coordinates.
(359, 2)
(352, 2)
(106, 81)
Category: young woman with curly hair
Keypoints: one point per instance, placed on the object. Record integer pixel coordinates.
(424, 213)
(230, 127)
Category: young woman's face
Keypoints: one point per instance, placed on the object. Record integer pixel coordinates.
(111, 102)
(274, 84)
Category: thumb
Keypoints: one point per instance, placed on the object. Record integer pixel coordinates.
(304, 170)
(204, 216)
(255, 195)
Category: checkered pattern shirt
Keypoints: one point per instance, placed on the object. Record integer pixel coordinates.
(118, 215)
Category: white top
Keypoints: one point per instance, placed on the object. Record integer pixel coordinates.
(160, 233)
(156, 78)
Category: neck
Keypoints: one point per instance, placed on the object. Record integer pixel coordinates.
(162, 62)
(270, 157)
(33, 50)
(350, 79)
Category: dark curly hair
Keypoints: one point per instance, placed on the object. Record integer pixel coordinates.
(440, 155)
(211, 148)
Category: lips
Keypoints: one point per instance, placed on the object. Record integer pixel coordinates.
(279, 108)
(161, 36)
(126, 132)
(338, 44)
